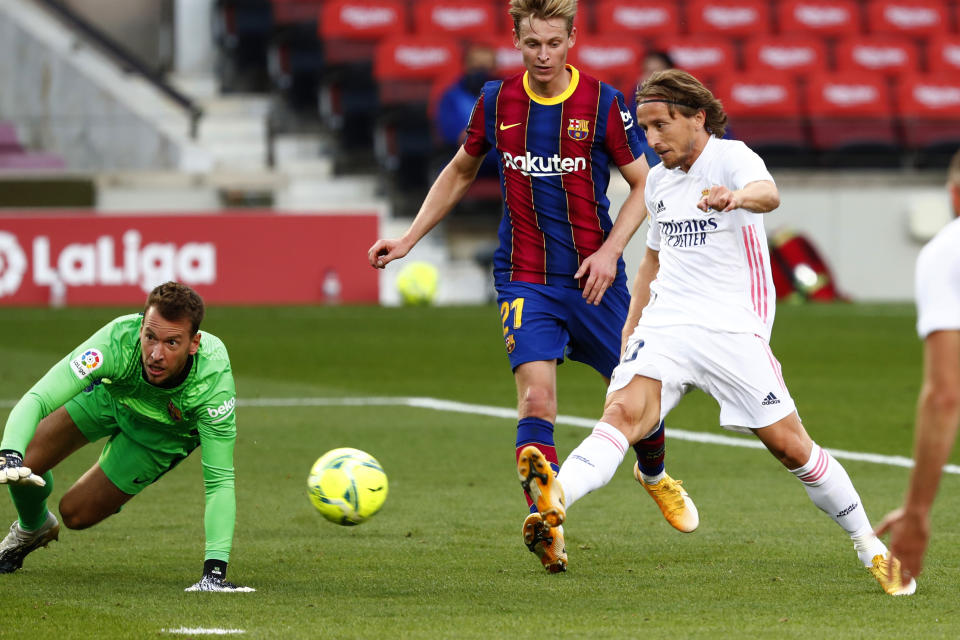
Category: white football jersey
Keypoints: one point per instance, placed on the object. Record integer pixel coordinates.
(714, 266)
(938, 282)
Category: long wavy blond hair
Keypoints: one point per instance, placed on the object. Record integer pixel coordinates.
(684, 93)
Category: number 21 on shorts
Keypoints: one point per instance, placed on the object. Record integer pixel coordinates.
(517, 307)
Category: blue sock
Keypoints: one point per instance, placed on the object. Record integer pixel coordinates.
(651, 451)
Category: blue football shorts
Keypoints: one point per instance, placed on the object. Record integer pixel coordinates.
(542, 322)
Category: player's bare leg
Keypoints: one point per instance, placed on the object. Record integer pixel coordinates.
(91, 499)
(830, 488)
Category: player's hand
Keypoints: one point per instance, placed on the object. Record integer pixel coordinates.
(385, 251)
(600, 269)
(214, 579)
(12, 470)
(909, 535)
(719, 198)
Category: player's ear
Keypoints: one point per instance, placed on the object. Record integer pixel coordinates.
(516, 40)
(572, 38)
(194, 343)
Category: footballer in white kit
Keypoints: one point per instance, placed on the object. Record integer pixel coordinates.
(712, 304)
(703, 307)
(938, 413)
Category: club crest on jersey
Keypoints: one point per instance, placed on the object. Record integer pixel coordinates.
(87, 363)
(175, 414)
(578, 129)
(511, 343)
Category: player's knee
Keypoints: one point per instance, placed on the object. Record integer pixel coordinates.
(538, 402)
(791, 453)
(630, 415)
(73, 515)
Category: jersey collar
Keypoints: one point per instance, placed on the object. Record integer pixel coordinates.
(574, 81)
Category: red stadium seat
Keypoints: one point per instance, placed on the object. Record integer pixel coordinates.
(642, 18)
(703, 57)
(728, 17)
(792, 55)
(820, 17)
(617, 61)
(351, 28)
(943, 54)
(764, 111)
(919, 18)
(470, 19)
(291, 11)
(886, 55)
(406, 67)
(930, 108)
(851, 113)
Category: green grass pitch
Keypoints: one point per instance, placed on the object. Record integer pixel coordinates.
(444, 558)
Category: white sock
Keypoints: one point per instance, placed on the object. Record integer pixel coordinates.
(593, 463)
(830, 488)
(653, 479)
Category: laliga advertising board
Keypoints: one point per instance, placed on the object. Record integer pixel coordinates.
(256, 257)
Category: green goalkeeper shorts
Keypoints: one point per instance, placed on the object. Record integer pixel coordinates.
(128, 464)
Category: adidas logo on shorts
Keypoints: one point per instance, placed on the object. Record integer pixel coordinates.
(770, 399)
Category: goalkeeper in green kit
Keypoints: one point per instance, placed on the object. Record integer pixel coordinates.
(157, 389)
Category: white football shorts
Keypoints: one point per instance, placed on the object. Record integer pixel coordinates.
(738, 370)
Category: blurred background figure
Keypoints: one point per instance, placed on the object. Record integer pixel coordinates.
(453, 110)
(653, 61)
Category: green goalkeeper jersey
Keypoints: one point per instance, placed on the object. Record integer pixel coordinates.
(198, 411)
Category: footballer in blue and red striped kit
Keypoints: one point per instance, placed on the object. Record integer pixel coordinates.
(561, 287)
(555, 153)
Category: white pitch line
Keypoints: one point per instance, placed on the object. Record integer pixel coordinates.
(200, 631)
(437, 404)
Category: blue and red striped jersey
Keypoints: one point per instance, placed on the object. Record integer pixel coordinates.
(555, 156)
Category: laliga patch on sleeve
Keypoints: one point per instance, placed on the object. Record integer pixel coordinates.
(87, 363)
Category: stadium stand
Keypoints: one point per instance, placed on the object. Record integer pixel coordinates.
(824, 18)
(642, 19)
(764, 108)
(851, 120)
(890, 55)
(617, 60)
(930, 108)
(733, 18)
(406, 69)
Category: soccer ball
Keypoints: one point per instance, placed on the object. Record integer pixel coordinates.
(417, 283)
(347, 486)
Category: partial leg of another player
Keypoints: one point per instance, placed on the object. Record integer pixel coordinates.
(830, 488)
(635, 409)
(674, 501)
(537, 408)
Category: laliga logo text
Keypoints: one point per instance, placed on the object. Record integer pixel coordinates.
(224, 410)
(87, 264)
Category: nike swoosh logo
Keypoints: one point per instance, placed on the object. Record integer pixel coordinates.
(504, 127)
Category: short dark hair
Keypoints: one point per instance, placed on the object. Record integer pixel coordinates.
(684, 93)
(175, 301)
